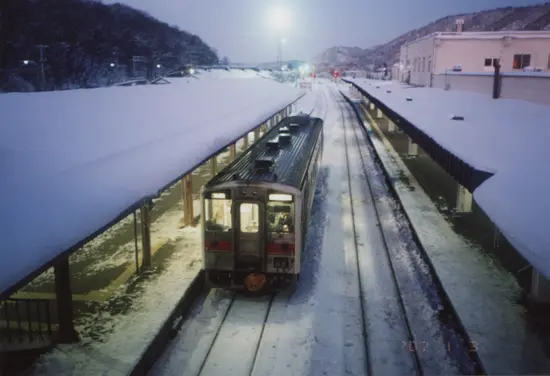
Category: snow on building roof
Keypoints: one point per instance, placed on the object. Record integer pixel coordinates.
(484, 35)
(495, 35)
(506, 137)
(72, 161)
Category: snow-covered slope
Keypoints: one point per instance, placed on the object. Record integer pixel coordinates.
(535, 17)
(341, 56)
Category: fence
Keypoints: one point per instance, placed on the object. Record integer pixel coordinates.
(26, 323)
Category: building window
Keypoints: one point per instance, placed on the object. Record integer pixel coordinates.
(491, 62)
(423, 64)
(430, 64)
(521, 61)
(548, 62)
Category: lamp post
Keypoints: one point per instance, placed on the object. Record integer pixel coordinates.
(280, 45)
(40, 69)
(279, 19)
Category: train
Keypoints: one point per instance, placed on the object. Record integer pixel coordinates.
(255, 212)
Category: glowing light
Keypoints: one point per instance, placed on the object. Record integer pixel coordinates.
(279, 18)
(218, 196)
(280, 197)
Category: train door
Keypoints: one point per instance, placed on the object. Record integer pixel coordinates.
(249, 237)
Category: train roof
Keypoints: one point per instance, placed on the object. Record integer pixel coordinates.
(281, 155)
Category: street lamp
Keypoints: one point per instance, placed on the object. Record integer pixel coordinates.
(279, 19)
(282, 41)
(41, 70)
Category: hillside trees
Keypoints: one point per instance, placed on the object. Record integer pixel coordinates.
(89, 43)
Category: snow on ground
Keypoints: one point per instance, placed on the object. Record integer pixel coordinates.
(92, 246)
(505, 341)
(206, 347)
(125, 253)
(85, 156)
(124, 337)
(505, 136)
(297, 339)
(307, 103)
(289, 345)
(231, 74)
(319, 329)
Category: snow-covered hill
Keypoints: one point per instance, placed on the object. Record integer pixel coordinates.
(341, 56)
(536, 17)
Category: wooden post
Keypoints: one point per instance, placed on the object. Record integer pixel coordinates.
(232, 152)
(256, 134)
(214, 165)
(188, 200)
(463, 200)
(245, 141)
(64, 301)
(145, 235)
(496, 80)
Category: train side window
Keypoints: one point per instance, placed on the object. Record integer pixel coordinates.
(217, 214)
(280, 217)
(249, 214)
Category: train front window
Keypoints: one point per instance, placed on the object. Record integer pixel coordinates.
(249, 214)
(217, 214)
(280, 217)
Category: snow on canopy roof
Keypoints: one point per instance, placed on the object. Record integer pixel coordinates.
(505, 136)
(72, 161)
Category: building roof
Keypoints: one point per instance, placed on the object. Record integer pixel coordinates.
(484, 35)
(542, 34)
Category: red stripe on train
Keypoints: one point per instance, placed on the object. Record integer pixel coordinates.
(280, 249)
(217, 246)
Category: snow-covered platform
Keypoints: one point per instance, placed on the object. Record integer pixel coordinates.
(73, 161)
(505, 340)
(504, 141)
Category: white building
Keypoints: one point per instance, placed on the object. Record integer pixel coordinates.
(472, 52)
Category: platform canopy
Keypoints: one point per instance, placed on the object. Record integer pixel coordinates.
(73, 161)
(505, 137)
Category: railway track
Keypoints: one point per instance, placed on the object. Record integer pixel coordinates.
(401, 287)
(387, 315)
(202, 349)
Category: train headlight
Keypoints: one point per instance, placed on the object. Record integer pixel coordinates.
(218, 196)
(280, 197)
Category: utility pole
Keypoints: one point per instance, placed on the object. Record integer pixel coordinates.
(42, 61)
